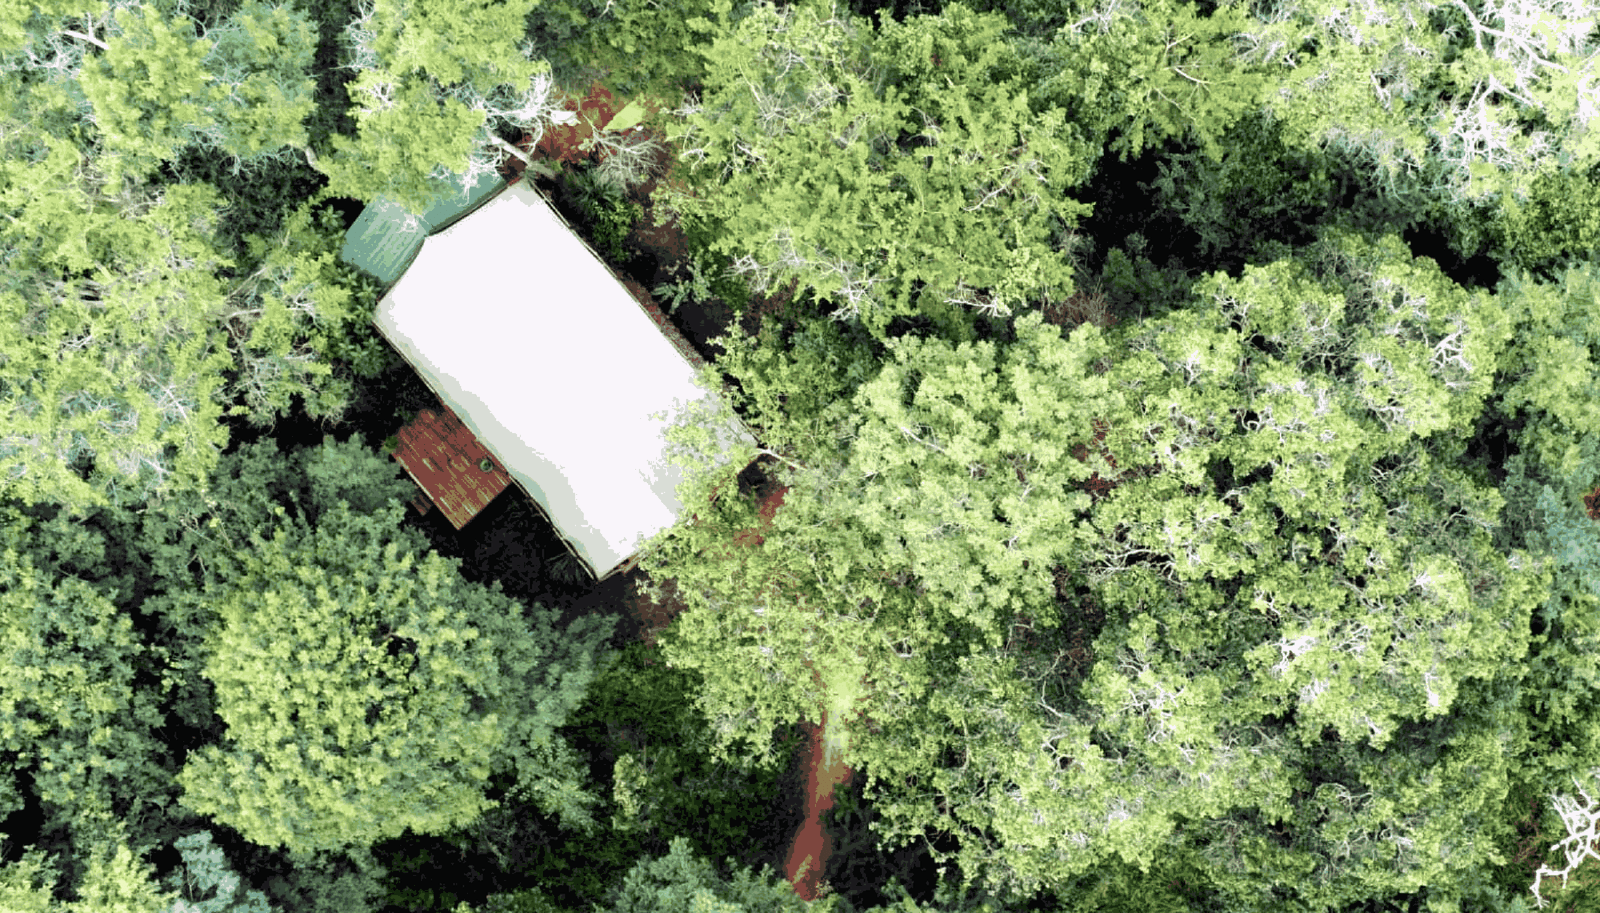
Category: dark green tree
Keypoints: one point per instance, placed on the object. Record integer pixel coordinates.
(78, 726)
(368, 690)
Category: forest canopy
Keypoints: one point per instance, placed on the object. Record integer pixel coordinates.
(1179, 475)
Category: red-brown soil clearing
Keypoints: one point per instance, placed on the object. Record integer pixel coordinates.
(808, 858)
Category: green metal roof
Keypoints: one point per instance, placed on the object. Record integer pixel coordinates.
(385, 239)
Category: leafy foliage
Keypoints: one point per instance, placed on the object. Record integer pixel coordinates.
(843, 167)
(1133, 77)
(1553, 389)
(209, 884)
(1305, 611)
(435, 80)
(291, 317)
(665, 783)
(111, 358)
(643, 48)
(383, 695)
(113, 880)
(939, 523)
(260, 58)
(197, 540)
(609, 216)
(76, 724)
(681, 882)
(244, 89)
(1458, 104)
(128, 332)
(1304, 608)
(1278, 592)
(1555, 225)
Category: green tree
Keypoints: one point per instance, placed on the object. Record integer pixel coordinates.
(645, 48)
(931, 519)
(148, 90)
(128, 329)
(1267, 650)
(289, 321)
(1552, 394)
(262, 92)
(207, 883)
(243, 89)
(114, 880)
(77, 723)
(195, 540)
(680, 882)
(436, 81)
(1557, 224)
(111, 362)
(891, 171)
(1457, 102)
(1310, 637)
(1134, 76)
(384, 693)
(665, 783)
(1550, 478)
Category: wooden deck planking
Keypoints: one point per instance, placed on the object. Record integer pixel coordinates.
(442, 455)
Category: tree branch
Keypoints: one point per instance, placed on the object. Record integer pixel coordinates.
(89, 38)
(511, 149)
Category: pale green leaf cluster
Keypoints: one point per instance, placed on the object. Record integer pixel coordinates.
(111, 359)
(287, 319)
(244, 88)
(1465, 103)
(939, 516)
(970, 480)
(114, 880)
(126, 332)
(1554, 381)
(1295, 578)
(1132, 76)
(1275, 643)
(892, 171)
(680, 882)
(261, 58)
(208, 884)
(435, 82)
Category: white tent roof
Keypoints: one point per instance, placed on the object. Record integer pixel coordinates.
(552, 364)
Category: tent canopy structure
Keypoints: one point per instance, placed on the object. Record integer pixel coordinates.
(533, 343)
(386, 235)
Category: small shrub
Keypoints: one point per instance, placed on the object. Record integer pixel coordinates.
(696, 287)
(607, 216)
(207, 883)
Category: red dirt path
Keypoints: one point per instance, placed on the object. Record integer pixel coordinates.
(808, 857)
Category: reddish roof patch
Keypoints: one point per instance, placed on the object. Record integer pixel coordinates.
(447, 462)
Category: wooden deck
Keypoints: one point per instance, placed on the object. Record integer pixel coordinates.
(447, 462)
